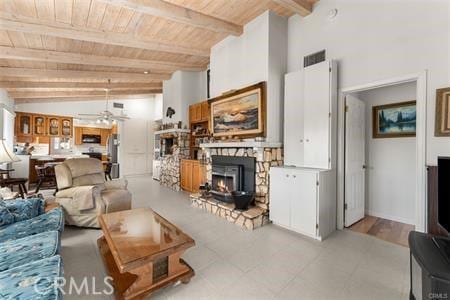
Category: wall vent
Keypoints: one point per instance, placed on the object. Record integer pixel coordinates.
(314, 58)
(117, 105)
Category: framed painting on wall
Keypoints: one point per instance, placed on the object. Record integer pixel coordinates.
(394, 120)
(442, 127)
(240, 113)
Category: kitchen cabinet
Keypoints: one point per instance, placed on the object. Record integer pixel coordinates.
(66, 126)
(39, 125)
(53, 126)
(191, 172)
(104, 134)
(78, 135)
(36, 128)
(303, 200)
(24, 124)
(310, 116)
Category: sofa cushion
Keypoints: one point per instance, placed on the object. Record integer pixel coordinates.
(24, 209)
(6, 217)
(36, 280)
(116, 200)
(63, 176)
(19, 252)
(84, 166)
(90, 179)
(50, 221)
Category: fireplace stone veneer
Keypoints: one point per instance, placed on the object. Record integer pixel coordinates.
(266, 156)
(170, 163)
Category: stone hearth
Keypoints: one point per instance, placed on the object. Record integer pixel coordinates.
(252, 218)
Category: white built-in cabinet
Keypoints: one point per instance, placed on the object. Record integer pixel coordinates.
(303, 192)
(310, 115)
(303, 200)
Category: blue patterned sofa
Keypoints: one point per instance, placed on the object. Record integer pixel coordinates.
(30, 264)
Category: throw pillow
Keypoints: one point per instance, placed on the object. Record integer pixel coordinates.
(24, 209)
(6, 217)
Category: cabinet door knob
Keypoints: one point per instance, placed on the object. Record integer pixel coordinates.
(287, 175)
(295, 176)
(301, 141)
(307, 140)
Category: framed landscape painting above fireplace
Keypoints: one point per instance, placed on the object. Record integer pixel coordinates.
(240, 113)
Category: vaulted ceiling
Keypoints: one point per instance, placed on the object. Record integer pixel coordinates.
(58, 50)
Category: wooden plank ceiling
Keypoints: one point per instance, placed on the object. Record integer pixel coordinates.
(59, 50)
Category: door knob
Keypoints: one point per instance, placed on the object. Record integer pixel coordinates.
(364, 167)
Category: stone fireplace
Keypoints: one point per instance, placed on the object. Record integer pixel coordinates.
(174, 147)
(264, 156)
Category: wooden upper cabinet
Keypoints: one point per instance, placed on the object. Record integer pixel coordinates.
(53, 126)
(66, 126)
(23, 124)
(104, 134)
(78, 134)
(199, 112)
(91, 130)
(205, 111)
(39, 125)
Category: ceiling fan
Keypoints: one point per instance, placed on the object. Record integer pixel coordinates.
(106, 116)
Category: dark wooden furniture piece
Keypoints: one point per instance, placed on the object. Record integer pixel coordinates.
(6, 181)
(33, 177)
(108, 169)
(433, 224)
(142, 252)
(46, 176)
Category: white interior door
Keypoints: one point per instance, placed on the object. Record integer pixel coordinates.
(355, 159)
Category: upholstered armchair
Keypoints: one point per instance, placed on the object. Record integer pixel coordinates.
(84, 194)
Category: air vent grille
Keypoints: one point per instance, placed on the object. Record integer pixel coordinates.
(117, 105)
(314, 58)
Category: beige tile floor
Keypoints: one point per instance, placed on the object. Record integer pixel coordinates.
(267, 263)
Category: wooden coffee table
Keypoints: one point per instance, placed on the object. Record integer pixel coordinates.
(142, 252)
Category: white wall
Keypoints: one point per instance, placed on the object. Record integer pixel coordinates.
(390, 161)
(380, 39)
(259, 54)
(7, 118)
(182, 90)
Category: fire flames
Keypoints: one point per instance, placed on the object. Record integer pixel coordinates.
(221, 187)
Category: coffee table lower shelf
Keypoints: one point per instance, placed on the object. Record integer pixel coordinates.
(136, 286)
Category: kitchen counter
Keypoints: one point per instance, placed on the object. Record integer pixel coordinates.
(57, 156)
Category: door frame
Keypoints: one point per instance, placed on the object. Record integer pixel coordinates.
(421, 135)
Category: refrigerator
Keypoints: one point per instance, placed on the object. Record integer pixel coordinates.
(113, 152)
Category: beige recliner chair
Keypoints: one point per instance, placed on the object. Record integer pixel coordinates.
(84, 194)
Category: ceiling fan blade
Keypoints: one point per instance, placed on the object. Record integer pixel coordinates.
(92, 115)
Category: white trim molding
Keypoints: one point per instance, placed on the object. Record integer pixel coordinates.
(421, 138)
